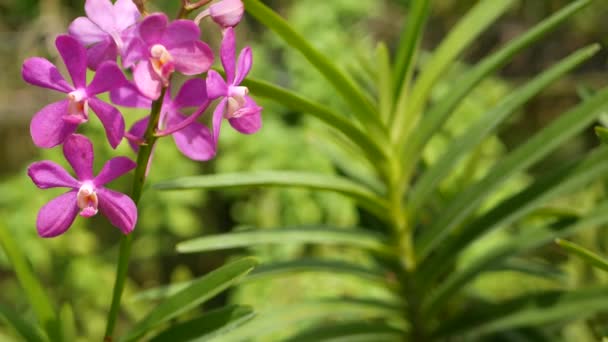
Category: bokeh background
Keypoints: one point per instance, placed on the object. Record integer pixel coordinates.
(78, 267)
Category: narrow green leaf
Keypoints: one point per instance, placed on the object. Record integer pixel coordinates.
(287, 316)
(208, 326)
(602, 133)
(372, 149)
(385, 82)
(28, 331)
(411, 34)
(359, 103)
(537, 147)
(68, 322)
(325, 235)
(488, 123)
(369, 200)
(350, 331)
(37, 298)
(196, 293)
(528, 311)
(469, 27)
(591, 258)
(438, 114)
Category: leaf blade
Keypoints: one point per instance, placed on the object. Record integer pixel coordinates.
(590, 257)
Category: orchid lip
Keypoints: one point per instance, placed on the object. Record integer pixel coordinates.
(162, 62)
(87, 199)
(78, 107)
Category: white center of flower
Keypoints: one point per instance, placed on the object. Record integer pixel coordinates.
(236, 101)
(162, 62)
(78, 107)
(87, 199)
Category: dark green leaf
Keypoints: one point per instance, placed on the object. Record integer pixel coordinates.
(588, 256)
(351, 331)
(28, 331)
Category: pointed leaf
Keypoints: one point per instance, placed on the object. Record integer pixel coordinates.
(28, 331)
(351, 331)
(588, 256)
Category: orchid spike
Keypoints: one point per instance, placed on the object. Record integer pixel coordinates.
(87, 194)
(192, 138)
(55, 122)
(226, 13)
(163, 48)
(241, 110)
(106, 29)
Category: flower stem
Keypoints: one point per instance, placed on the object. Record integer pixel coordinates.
(126, 241)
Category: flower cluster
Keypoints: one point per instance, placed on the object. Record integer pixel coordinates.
(152, 49)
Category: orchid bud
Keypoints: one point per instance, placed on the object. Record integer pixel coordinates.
(227, 13)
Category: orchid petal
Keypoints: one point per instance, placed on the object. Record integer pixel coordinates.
(48, 129)
(180, 32)
(86, 31)
(112, 120)
(118, 208)
(47, 174)
(152, 28)
(113, 169)
(103, 51)
(227, 12)
(74, 56)
(78, 151)
(227, 54)
(243, 65)
(129, 96)
(193, 93)
(192, 57)
(100, 12)
(216, 86)
(218, 115)
(125, 14)
(55, 217)
(138, 130)
(107, 77)
(247, 124)
(195, 141)
(146, 80)
(40, 72)
(133, 51)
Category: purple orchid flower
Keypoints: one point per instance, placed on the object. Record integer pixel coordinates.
(55, 122)
(86, 194)
(163, 48)
(192, 138)
(105, 29)
(226, 13)
(241, 110)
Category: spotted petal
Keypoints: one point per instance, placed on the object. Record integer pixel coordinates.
(55, 217)
(118, 208)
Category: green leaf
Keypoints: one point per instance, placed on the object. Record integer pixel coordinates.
(363, 196)
(385, 82)
(325, 235)
(488, 123)
(68, 322)
(527, 311)
(405, 59)
(537, 147)
(438, 114)
(208, 326)
(196, 293)
(350, 331)
(291, 100)
(28, 331)
(602, 133)
(475, 22)
(287, 316)
(588, 256)
(359, 103)
(37, 298)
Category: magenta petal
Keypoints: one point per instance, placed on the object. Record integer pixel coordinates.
(40, 72)
(193, 93)
(125, 14)
(227, 12)
(137, 131)
(192, 58)
(195, 141)
(133, 51)
(113, 169)
(101, 13)
(108, 76)
(55, 217)
(86, 32)
(216, 87)
(47, 174)
(218, 115)
(243, 65)
(118, 208)
(129, 96)
(74, 56)
(146, 80)
(152, 29)
(103, 51)
(227, 54)
(249, 120)
(48, 129)
(180, 32)
(111, 119)
(78, 150)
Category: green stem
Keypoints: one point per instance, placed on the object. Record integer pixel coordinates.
(126, 242)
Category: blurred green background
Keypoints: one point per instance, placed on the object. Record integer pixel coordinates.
(78, 267)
